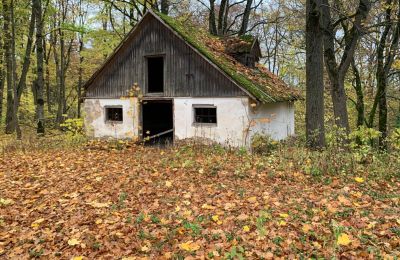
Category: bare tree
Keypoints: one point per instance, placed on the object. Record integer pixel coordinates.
(337, 71)
(387, 50)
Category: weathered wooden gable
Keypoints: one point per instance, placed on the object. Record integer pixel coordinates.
(186, 72)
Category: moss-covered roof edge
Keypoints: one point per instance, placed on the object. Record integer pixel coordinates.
(240, 80)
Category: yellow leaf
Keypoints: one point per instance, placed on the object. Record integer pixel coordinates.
(306, 228)
(77, 258)
(5, 202)
(206, 206)
(359, 179)
(98, 178)
(282, 223)
(215, 218)
(37, 223)
(99, 221)
(343, 239)
(189, 246)
(246, 228)
(371, 225)
(168, 184)
(73, 242)
(177, 208)
(201, 171)
(284, 215)
(252, 199)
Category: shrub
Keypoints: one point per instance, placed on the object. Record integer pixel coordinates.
(74, 129)
(263, 144)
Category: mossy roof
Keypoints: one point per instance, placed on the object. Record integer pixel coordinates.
(259, 81)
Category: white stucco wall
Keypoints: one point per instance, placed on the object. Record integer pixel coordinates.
(95, 121)
(237, 121)
(274, 119)
(232, 119)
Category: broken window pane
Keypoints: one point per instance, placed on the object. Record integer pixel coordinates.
(114, 114)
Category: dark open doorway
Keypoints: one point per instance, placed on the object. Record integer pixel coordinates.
(155, 74)
(157, 118)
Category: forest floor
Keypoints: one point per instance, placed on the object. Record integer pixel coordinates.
(126, 201)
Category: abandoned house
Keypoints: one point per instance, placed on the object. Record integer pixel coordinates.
(173, 80)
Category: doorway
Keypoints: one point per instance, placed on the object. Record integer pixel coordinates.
(155, 74)
(157, 121)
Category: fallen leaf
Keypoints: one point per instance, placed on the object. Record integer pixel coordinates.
(252, 199)
(343, 240)
(284, 215)
(359, 179)
(206, 206)
(306, 228)
(73, 242)
(189, 246)
(246, 228)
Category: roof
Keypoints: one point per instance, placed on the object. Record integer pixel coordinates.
(258, 82)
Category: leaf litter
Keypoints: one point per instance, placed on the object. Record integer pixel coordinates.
(138, 202)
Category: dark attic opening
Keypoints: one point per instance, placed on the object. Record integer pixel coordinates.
(155, 74)
(157, 118)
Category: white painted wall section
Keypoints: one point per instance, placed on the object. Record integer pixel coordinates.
(232, 120)
(274, 119)
(97, 126)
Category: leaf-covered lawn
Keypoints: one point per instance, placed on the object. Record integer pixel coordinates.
(142, 202)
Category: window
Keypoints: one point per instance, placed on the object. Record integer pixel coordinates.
(114, 114)
(205, 115)
(155, 74)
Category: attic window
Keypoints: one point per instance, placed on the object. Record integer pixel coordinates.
(155, 74)
(205, 115)
(114, 114)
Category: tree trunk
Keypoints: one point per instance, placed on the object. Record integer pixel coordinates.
(15, 123)
(337, 72)
(164, 6)
(315, 132)
(385, 57)
(221, 15)
(39, 82)
(212, 27)
(382, 124)
(246, 16)
(80, 80)
(360, 107)
(2, 76)
(9, 64)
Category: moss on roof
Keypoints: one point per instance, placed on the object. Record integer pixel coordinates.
(259, 82)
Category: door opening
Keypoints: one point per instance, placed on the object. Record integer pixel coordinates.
(155, 74)
(157, 121)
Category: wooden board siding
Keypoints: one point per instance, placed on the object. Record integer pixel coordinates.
(186, 73)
